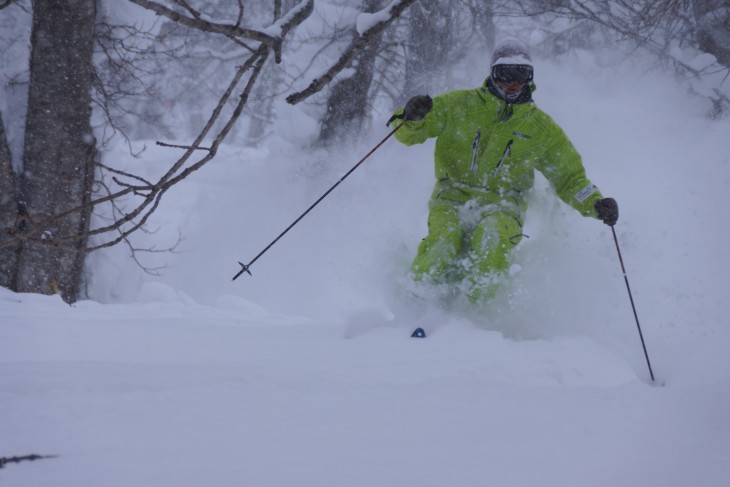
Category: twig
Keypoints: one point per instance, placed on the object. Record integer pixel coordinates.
(6, 3)
(29, 458)
(164, 144)
(225, 29)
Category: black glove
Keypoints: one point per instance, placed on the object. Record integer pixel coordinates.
(607, 210)
(417, 108)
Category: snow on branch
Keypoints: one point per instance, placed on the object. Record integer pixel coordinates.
(281, 27)
(366, 21)
(368, 26)
(197, 23)
(271, 36)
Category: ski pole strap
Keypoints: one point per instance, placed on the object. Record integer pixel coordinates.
(399, 116)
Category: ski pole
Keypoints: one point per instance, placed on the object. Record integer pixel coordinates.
(246, 267)
(633, 307)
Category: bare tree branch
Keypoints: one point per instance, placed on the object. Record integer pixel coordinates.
(124, 223)
(6, 3)
(240, 13)
(357, 45)
(161, 187)
(214, 27)
(22, 458)
(168, 180)
(125, 174)
(177, 146)
(187, 7)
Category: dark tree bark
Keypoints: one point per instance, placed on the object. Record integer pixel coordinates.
(429, 40)
(8, 211)
(59, 151)
(713, 28)
(347, 104)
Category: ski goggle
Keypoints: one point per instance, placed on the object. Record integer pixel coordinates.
(504, 73)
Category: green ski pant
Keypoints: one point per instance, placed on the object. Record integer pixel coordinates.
(467, 243)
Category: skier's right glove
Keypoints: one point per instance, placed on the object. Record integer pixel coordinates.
(607, 210)
(417, 108)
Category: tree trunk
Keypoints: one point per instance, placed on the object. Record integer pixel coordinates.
(428, 41)
(263, 115)
(8, 212)
(713, 28)
(348, 102)
(59, 151)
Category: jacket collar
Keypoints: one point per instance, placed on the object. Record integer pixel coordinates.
(525, 95)
(506, 108)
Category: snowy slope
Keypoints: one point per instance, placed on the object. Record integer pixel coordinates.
(291, 376)
(185, 395)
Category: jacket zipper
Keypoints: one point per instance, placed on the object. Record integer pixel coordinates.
(475, 150)
(507, 152)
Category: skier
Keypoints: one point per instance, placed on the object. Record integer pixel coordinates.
(489, 141)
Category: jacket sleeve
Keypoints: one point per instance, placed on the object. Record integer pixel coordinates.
(562, 166)
(430, 126)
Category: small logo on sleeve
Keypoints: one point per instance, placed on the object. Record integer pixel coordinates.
(585, 193)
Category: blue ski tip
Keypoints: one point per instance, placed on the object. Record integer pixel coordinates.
(418, 333)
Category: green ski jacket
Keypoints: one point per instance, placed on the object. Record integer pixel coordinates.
(487, 150)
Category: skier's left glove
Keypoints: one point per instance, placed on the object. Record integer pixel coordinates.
(607, 211)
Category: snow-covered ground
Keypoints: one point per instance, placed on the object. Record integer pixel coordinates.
(295, 375)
